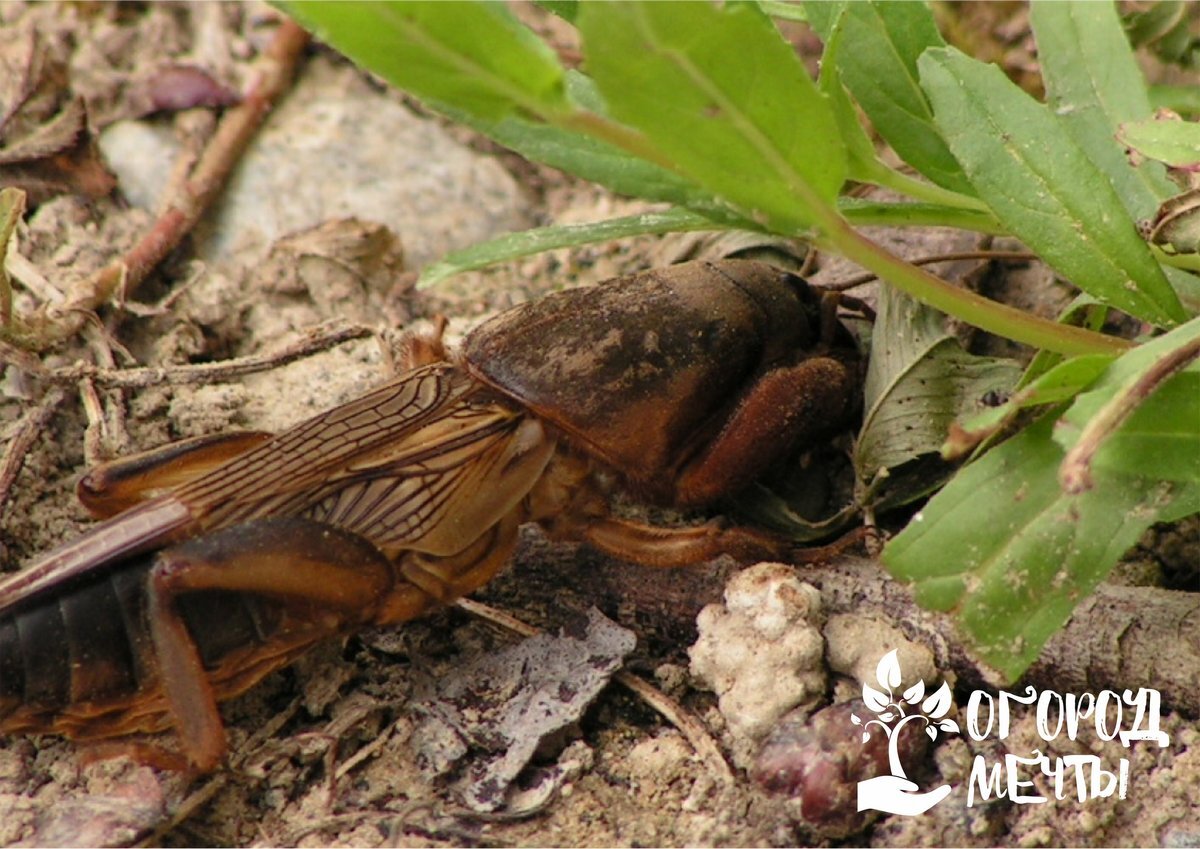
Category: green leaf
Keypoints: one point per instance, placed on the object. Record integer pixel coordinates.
(919, 381)
(514, 245)
(1177, 143)
(1167, 29)
(1175, 228)
(1162, 437)
(1093, 84)
(565, 9)
(588, 157)
(862, 162)
(881, 72)
(1043, 187)
(473, 55)
(1181, 99)
(1011, 555)
(718, 92)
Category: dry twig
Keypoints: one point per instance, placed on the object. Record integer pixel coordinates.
(26, 431)
(1113, 640)
(180, 214)
(316, 339)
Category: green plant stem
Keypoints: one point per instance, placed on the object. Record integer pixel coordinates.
(890, 178)
(867, 213)
(987, 315)
(1185, 261)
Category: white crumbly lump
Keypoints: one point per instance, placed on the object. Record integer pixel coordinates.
(856, 644)
(761, 652)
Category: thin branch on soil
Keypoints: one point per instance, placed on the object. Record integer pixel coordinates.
(679, 716)
(366, 751)
(27, 362)
(337, 822)
(316, 339)
(94, 435)
(1114, 639)
(684, 720)
(276, 67)
(27, 430)
(397, 823)
(105, 436)
(24, 271)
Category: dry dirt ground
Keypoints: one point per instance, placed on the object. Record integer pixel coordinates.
(343, 195)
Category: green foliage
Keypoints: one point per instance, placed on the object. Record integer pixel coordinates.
(707, 108)
(721, 124)
(1011, 554)
(1043, 186)
(885, 81)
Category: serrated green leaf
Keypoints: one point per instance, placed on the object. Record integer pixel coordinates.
(473, 55)
(919, 381)
(1093, 84)
(1011, 555)
(705, 85)
(881, 72)
(1043, 187)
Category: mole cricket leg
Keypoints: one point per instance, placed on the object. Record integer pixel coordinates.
(288, 559)
(785, 407)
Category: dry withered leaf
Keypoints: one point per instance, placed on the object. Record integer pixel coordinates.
(505, 705)
(337, 264)
(33, 82)
(59, 156)
(46, 146)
